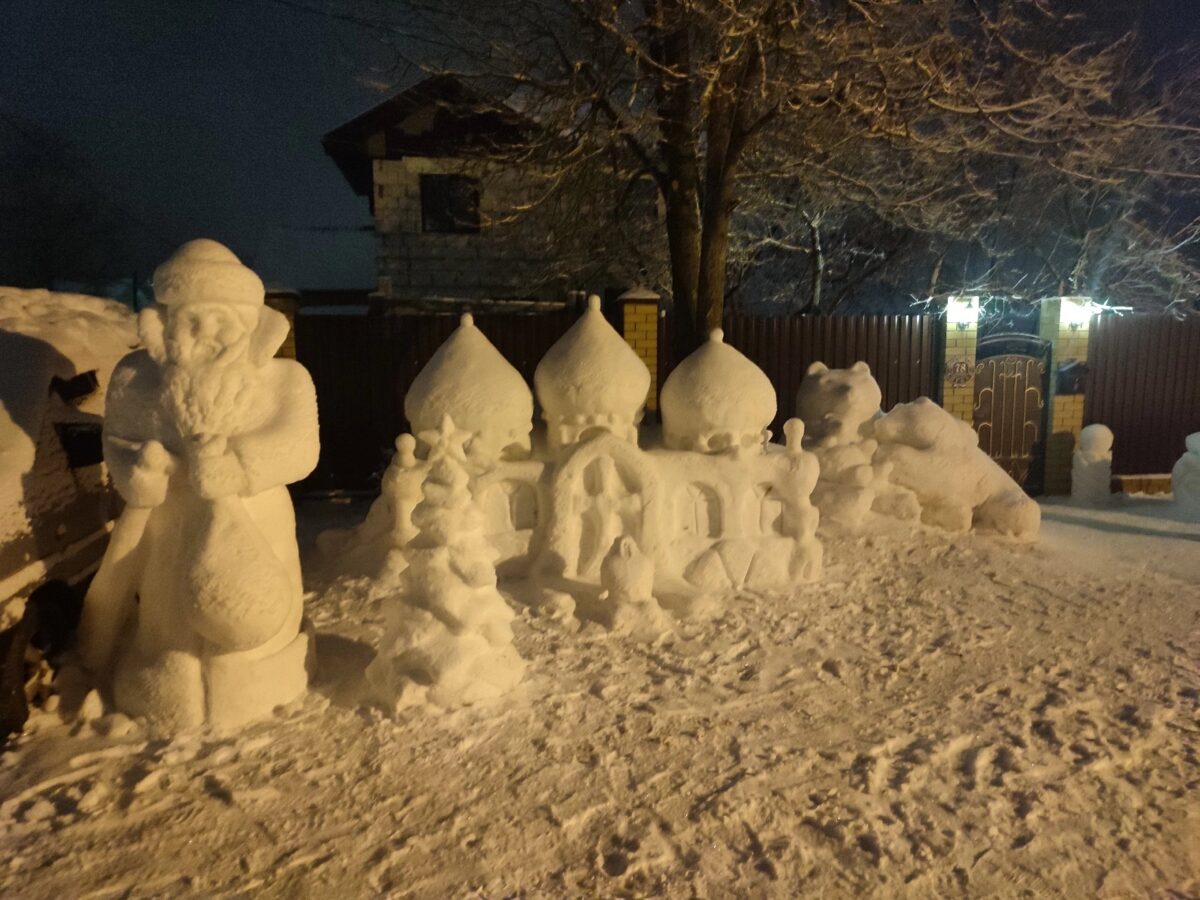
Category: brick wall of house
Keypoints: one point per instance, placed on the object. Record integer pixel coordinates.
(412, 264)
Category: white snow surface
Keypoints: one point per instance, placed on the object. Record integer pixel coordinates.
(940, 715)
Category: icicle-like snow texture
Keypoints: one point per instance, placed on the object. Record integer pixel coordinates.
(449, 634)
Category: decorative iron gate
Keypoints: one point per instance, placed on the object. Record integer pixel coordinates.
(1012, 382)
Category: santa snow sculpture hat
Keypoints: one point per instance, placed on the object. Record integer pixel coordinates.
(204, 271)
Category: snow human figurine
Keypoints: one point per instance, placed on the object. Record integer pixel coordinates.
(194, 617)
(1091, 466)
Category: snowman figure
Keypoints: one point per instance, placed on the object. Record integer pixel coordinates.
(1091, 466)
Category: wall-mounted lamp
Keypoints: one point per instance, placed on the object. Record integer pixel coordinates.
(1076, 312)
(962, 312)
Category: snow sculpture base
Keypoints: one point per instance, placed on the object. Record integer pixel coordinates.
(1185, 479)
(1091, 466)
(937, 457)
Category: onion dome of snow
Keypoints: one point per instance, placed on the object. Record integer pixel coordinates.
(469, 380)
(715, 399)
(203, 271)
(591, 380)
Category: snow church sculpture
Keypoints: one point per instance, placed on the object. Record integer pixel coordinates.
(1185, 478)
(590, 381)
(1091, 466)
(195, 614)
(715, 510)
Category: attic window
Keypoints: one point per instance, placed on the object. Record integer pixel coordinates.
(449, 204)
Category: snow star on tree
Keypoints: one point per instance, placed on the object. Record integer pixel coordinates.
(449, 634)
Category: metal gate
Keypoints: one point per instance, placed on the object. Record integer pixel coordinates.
(1012, 381)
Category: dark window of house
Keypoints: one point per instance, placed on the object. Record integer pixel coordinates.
(449, 204)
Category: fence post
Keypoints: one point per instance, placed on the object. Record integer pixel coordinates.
(961, 324)
(1064, 323)
(639, 325)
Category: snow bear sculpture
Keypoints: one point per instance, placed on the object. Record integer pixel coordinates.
(839, 408)
(1185, 478)
(1091, 466)
(958, 486)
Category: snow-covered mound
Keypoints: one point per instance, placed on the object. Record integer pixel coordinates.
(43, 334)
(50, 503)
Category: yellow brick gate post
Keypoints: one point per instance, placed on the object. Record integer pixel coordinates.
(958, 375)
(1065, 323)
(639, 309)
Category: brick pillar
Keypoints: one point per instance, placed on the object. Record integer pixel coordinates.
(639, 308)
(1069, 339)
(958, 377)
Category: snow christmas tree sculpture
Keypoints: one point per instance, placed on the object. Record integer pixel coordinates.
(449, 636)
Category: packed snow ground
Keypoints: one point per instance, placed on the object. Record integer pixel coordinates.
(938, 716)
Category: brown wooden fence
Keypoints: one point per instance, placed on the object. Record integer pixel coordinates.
(363, 366)
(1144, 384)
(905, 353)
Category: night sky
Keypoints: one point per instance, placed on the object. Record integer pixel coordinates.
(204, 117)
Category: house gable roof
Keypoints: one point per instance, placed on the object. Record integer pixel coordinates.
(437, 117)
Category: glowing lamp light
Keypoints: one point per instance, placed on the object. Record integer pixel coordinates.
(1076, 312)
(963, 312)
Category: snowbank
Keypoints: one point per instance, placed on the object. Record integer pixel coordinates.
(49, 510)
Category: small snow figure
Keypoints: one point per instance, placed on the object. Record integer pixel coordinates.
(195, 615)
(449, 635)
(1091, 466)
(627, 576)
(1185, 478)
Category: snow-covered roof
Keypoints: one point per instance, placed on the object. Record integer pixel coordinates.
(317, 258)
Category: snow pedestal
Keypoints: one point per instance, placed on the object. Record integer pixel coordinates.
(449, 637)
(937, 457)
(1185, 478)
(195, 614)
(1091, 466)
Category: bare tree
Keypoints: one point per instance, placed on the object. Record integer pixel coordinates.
(955, 121)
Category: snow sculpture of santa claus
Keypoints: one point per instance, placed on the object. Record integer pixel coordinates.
(195, 614)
